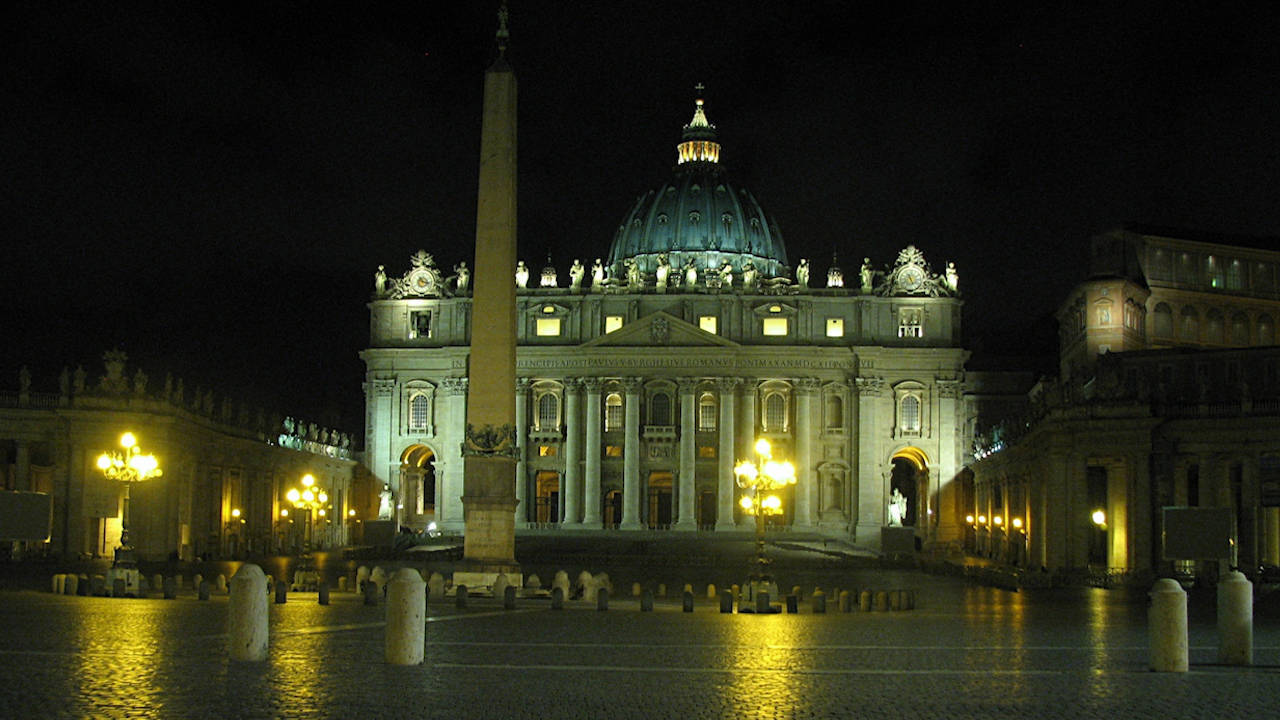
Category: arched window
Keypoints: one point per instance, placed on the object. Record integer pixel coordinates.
(548, 412)
(1266, 331)
(1164, 321)
(834, 411)
(1190, 330)
(707, 412)
(660, 409)
(1213, 328)
(1239, 330)
(775, 412)
(613, 412)
(909, 414)
(419, 412)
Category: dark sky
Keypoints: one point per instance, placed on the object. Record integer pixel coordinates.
(211, 189)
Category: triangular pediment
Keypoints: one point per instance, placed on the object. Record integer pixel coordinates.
(660, 329)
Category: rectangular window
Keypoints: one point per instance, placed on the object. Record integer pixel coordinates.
(706, 451)
(546, 451)
(419, 324)
(910, 323)
(707, 323)
(548, 327)
(612, 322)
(775, 326)
(835, 327)
(614, 451)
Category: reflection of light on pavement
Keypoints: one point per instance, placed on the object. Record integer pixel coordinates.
(120, 654)
(768, 671)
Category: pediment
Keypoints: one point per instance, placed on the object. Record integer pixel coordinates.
(659, 329)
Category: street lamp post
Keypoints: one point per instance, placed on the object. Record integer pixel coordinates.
(759, 480)
(127, 465)
(310, 498)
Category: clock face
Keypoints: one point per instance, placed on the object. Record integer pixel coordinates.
(911, 278)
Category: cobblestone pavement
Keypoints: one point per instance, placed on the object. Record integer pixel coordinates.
(964, 652)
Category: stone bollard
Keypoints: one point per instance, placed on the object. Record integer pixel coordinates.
(735, 590)
(117, 587)
(795, 590)
(688, 587)
(342, 583)
(282, 592)
(557, 598)
(864, 601)
(322, 592)
(910, 600)
(406, 617)
(202, 591)
(379, 577)
(247, 615)
(271, 583)
(584, 582)
(793, 604)
(82, 585)
(662, 590)
(500, 585)
(602, 599)
(220, 583)
(819, 602)
(435, 585)
(762, 603)
(170, 588)
(687, 602)
(98, 586)
(157, 581)
(362, 574)
(509, 598)
(895, 600)
(635, 590)
(845, 605)
(561, 580)
(460, 597)
(1167, 627)
(59, 583)
(370, 590)
(72, 584)
(195, 582)
(711, 592)
(726, 603)
(646, 601)
(881, 601)
(533, 582)
(1235, 619)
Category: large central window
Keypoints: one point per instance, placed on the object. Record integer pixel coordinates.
(613, 412)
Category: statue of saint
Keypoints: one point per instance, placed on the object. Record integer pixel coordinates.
(726, 275)
(865, 274)
(79, 379)
(663, 272)
(690, 274)
(748, 275)
(24, 380)
(597, 274)
(634, 279)
(464, 277)
(576, 273)
(897, 508)
(522, 274)
(64, 381)
(384, 503)
(380, 281)
(953, 277)
(802, 273)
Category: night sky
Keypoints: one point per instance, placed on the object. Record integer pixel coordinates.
(211, 189)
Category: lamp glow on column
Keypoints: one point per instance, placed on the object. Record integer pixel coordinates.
(310, 498)
(759, 480)
(127, 465)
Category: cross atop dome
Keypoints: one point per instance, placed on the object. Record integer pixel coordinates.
(699, 136)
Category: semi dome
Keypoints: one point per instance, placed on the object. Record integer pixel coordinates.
(701, 215)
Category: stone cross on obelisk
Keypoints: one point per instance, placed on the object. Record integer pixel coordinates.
(490, 446)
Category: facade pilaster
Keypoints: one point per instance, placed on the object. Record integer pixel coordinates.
(724, 456)
(573, 452)
(591, 489)
(686, 518)
(871, 484)
(631, 457)
(522, 451)
(449, 483)
(947, 515)
(806, 390)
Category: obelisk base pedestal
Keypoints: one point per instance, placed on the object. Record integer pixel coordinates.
(489, 506)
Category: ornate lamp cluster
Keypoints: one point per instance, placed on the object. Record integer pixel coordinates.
(759, 480)
(128, 465)
(310, 497)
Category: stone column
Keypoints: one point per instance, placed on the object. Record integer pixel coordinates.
(747, 430)
(688, 516)
(946, 519)
(522, 450)
(379, 393)
(871, 484)
(591, 479)
(449, 482)
(631, 457)
(725, 495)
(806, 389)
(572, 452)
(1139, 512)
(22, 464)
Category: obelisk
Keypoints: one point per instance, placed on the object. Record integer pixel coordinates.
(490, 446)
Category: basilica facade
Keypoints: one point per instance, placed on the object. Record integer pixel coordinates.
(649, 366)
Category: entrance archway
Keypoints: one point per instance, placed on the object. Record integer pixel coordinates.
(547, 497)
(660, 500)
(910, 476)
(418, 485)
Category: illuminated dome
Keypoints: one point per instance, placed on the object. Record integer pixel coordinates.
(699, 215)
